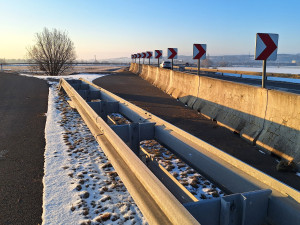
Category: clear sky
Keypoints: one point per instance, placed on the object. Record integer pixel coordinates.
(118, 28)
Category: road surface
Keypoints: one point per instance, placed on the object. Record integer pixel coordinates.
(23, 104)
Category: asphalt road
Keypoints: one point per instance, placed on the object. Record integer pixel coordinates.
(277, 85)
(23, 104)
(141, 93)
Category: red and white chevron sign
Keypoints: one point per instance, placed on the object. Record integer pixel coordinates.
(149, 55)
(139, 55)
(266, 46)
(158, 54)
(143, 55)
(132, 56)
(172, 53)
(199, 51)
(135, 56)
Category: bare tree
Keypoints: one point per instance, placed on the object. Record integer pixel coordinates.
(53, 52)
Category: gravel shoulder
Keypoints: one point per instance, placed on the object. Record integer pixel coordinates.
(23, 104)
(141, 93)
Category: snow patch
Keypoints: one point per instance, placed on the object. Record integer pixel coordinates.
(86, 76)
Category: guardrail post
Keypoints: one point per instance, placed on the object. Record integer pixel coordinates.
(135, 137)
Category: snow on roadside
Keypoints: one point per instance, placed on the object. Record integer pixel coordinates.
(80, 184)
(58, 195)
(88, 76)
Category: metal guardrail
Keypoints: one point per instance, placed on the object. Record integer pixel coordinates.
(251, 203)
(285, 75)
(157, 204)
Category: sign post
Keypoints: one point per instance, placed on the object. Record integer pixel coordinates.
(172, 54)
(199, 52)
(266, 49)
(143, 56)
(149, 56)
(158, 55)
(135, 56)
(139, 56)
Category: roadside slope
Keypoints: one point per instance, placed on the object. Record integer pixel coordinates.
(23, 104)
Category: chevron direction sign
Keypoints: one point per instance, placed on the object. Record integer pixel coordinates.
(135, 56)
(132, 56)
(172, 53)
(266, 46)
(158, 54)
(143, 55)
(149, 55)
(199, 51)
(139, 55)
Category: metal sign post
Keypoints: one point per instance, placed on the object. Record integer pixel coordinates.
(144, 56)
(172, 54)
(139, 56)
(264, 77)
(149, 56)
(199, 52)
(266, 49)
(158, 55)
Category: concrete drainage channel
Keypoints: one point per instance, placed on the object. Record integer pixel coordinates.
(167, 170)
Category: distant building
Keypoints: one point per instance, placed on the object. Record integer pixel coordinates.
(294, 61)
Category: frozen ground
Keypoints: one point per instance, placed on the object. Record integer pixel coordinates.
(80, 184)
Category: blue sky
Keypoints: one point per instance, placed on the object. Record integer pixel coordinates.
(117, 28)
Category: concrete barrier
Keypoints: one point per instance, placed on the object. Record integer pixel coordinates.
(134, 67)
(267, 118)
(239, 107)
(183, 86)
(282, 123)
(163, 79)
